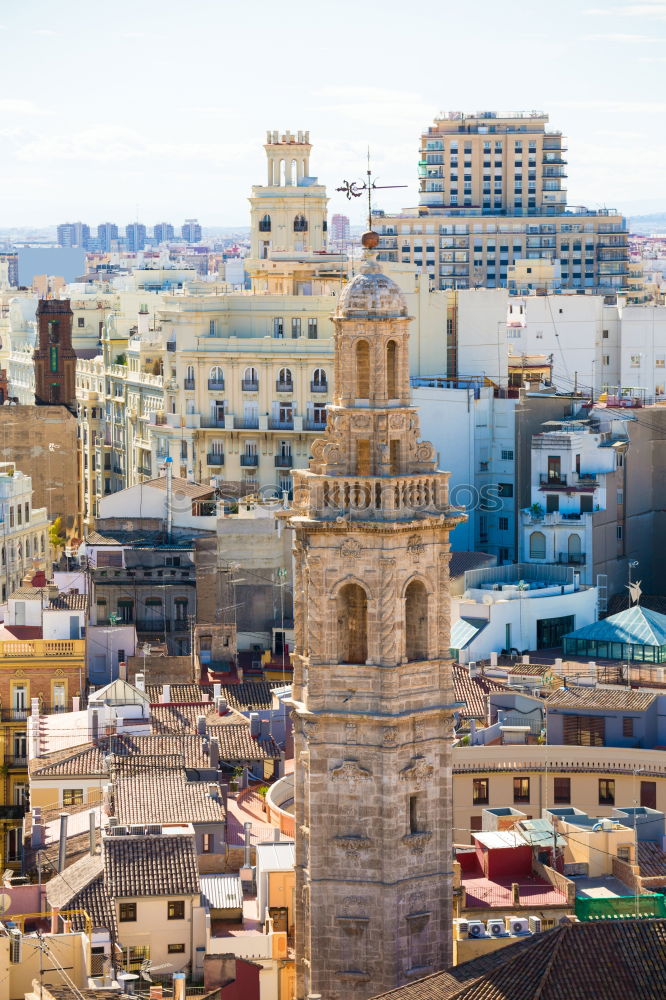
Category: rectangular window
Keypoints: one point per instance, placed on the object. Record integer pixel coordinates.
(604, 334)
(72, 797)
(504, 524)
(312, 328)
(207, 843)
(620, 497)
(176, 949)
(476, 823)
(606, 359)
(649, 794)
(505, 489)
(562, 791)
(635, 360)
(480, 790)
(606, 792)
(507, 455)
(627, 726)
(295, 327)
(127, 913)
(414, 814)
(278, 327)
(660, 361)
(619, 532)
(521, 789)
(176, 909)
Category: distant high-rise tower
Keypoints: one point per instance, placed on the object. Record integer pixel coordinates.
(73, 234)
(289, 213)
(135, 233)
(191, 231)
(340, 235)
(372, 693)
(54, 357)
(163, 232)
(107, 234)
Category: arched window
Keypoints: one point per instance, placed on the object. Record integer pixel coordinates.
(362, 370)
(27, 547)
(537, 545)
(300, 224)
(265, 224)
(285, 377)
(352, 624)
(189, 377)
(392, 369)
(319, 378)
(250, 379)
(416, 621)
(573, 548)
(216, 378)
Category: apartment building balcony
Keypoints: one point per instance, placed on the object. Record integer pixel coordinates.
(249, 385)
(152, 626)
(284, 461)
(14, 714)
(280, 425)
(248, 461)
(215, 458)
(216, 384)
(585, 482)
(220, 422)
(571, 558)
(284, 386)
(17, 760)
(318, 387)
(247, 423)
(314, 425)
(188, 383)
(158, 419)
(144, 470)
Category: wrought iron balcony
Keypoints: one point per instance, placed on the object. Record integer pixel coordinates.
(216, 383)
(284, 386)
(318, 386)
(249, 385)
(188, 383)
(249, 461)
(215, 458)
(283, 461)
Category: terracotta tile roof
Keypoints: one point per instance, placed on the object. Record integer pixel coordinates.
(613, 960)
(461, 562)
(251, 697)
(63, 888)
(96, 538)
(528, 669)
(82, 761)
(161, 793)
(183, 487)
(69, 602)
(10, 632)
(651, 860)
(473, 691)
(180, 694)
(176, 719)
(97, 903)
(150, 865)
(613, 699)
(27, 593)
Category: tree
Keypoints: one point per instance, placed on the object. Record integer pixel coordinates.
(57, 536)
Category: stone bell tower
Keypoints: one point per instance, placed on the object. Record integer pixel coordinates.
(372, 694)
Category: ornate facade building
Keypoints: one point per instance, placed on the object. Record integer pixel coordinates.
(372, 695)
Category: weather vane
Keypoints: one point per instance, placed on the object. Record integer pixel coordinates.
(354, 189)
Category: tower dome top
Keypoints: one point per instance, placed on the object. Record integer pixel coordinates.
(371, 295)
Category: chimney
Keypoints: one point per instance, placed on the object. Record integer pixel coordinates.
(76, 703)
(217, 691)
(201, 725)
(265, 729)
(247, 861)
(276, 834)
(214, 792)
(94, 725)
(525, 658)
(493, 659)
(91, 832)
(255, 725)
(165, 697)
(221, 706)
(140, 682)
(38, 834)
(215, 754)
(179, 986)
(62, 846)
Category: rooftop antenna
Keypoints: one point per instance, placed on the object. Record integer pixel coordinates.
(354, 189)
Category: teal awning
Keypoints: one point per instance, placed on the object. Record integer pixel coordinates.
(466, 629)
(638, 626)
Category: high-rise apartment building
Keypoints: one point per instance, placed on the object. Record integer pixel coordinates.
(191, 231)
(340, 235)
(107, 233)
(491, 193)
(73, 234)
(9, 268)
(163, 232)
(135, 233)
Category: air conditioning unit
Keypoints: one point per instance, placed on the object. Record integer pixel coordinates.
(518, 925)
(476, 929)
(463, 927)
(496, 928)
(15, 946)
(534, 924)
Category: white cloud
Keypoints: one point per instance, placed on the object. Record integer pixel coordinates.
(623, 37)
(14, 106)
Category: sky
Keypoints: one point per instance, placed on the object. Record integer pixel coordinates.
(158, 110)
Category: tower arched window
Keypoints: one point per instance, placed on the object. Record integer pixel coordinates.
(319, 378)
(300, 224)
(216, 378)
(574, 549)
(189, 377)
(537, 545)
(250, 379)
(392, 369)
(416, 621)
(362, 370)
(285, 379)
(265, 224)
(352, 607)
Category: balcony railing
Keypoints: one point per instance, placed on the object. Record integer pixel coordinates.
(17, 759)
(215, 458)
(249, 385)
(283, 461)
(43, 647)
(281, 425)
(247, 423)
(551, 480)
(188, 383)
(14, 714)
(249, 461)
(213, 421)
(216, 383)
(152, 625)
(318, 387)
(314, 425)
(571, 558)
(284, 386)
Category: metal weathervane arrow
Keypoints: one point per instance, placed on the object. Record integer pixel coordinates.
(354, 189)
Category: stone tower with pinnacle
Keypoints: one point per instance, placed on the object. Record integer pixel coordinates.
(372, 694)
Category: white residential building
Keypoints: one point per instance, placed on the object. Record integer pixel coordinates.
(24, 529)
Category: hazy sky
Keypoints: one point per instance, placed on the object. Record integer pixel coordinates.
(158, 110)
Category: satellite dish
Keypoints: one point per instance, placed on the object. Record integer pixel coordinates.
(5, 902)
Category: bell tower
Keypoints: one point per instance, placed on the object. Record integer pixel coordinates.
(54, 357)
(372, 692)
